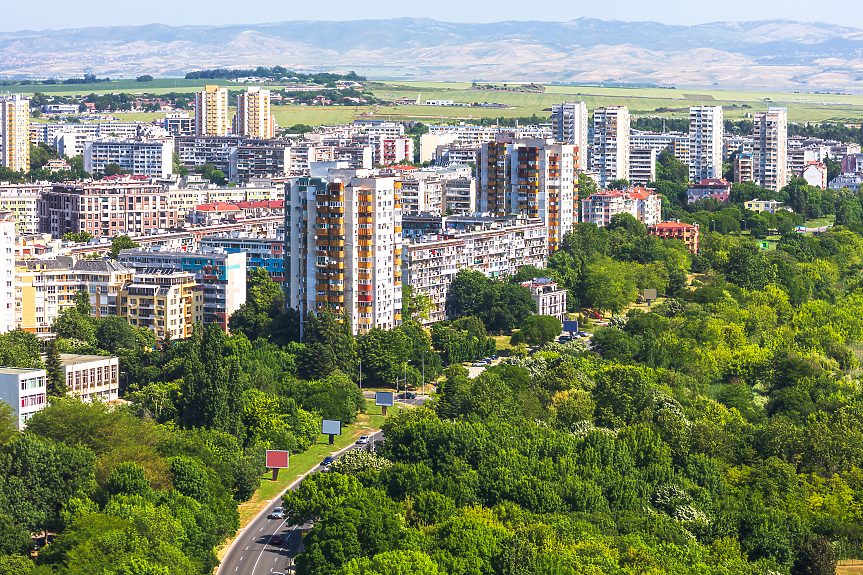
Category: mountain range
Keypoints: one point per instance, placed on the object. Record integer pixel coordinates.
(771, 54)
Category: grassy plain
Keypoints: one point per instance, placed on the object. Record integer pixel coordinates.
(802, 107)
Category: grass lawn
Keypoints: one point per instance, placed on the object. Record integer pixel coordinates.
(304, 462)
(820, 222)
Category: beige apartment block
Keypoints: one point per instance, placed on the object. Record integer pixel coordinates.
(162, 301)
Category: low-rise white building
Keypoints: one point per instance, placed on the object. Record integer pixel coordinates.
(91, 377)
(850, 181)
(549, 298)
(24, 390)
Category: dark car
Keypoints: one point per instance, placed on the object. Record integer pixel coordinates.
(328, 460)
(276, 540)
(407, 395)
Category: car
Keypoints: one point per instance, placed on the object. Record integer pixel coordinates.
(486, 361)
(495, 356)
(363, 440)
(478, 364)
(278, 513)
(564, 339)
(583, 334)
(276, 540)
(328, 460)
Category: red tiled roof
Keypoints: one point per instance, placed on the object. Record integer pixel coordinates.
(217, 207)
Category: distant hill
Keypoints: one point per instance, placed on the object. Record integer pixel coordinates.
(768, 53)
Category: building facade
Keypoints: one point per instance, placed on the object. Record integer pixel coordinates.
(221, 276)
(550, 300)
(643, 204)
(163, 300)
(15, 132)
(7, 272)
(687, 233)
(709, 189)
(497, 247)
(211, 112)
(91, 377)
(706, 127)
(105, 208)
(569, 126)
(343, 247)
(253, 118)
(771, 148)
(611, 144)
(24, 390)
(261, 252)
(815, 174)
(642, 166)
(152, 158)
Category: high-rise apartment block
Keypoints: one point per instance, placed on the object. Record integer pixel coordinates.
(569, 125)
(706, 127)
(163, 300)
(642, 166)
(7, 271)
(343, 247)
(211, 112)
(532, 177)
(253, 118)
(611, 144)
(15, 133)
(771, 148)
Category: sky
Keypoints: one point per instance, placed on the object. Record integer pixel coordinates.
(56, 14)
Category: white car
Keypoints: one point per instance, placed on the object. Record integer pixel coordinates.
(363, 440)
(278, 513)
(478, 364)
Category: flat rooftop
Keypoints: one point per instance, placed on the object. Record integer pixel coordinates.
(73, 358)
(18, 370)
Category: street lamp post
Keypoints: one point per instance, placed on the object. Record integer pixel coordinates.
(361, 374)
(405, 399)
(714, 224)
(424, 373)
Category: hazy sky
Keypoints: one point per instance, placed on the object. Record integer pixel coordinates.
(81, 13)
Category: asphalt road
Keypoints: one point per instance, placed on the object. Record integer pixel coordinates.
(253, 552)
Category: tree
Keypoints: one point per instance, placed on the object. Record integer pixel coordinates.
(127, 479)
(815, 558)
(113, 169)
(467, 292)
(80, 237)
(212, 391)
(56, 383)
(82, 302)
(586, 186)
(609, 285)
(121, 243)
(144, 78)
(415, 305)
(72, 324)
(537, 330)
(113, 333)
(506, 306)
(265, 301)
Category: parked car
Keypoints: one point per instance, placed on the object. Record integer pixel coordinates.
(276, 540)
(328, 460)
(478, 364)
(363, 440)
(278, 513)
(583, 334)
(495, 356)
(564, 339)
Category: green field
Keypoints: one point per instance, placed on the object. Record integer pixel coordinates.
(802, 107)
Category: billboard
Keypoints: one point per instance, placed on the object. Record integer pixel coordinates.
(384, 398)
(570, 326)
(278, 459)
(331, 427)
(650, 294)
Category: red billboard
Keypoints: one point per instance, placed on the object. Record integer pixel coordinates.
(277, 459)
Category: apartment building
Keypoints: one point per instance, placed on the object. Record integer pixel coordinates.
(744, 168)
(687, 233)
(422, 195)
(851, 182)
(14, 132)
(532, 177)
(258, 159)
(771, 206)
(642, 166)
(343, 247)
(709, 189)
(815, 174)
(569, 126)
(850, 164)
(24, 209)
(261, 252)
(194, 151)
(659, 141)
(211, 112)
(162, 300)
(455, 153)
(550, 299)
(389, 150)
(645, 205)
(442, 245)
(91, 377)
(44, 288)
(222, 276)
(105, 208)
(706, 127)
(799, 158)
(7, 271)
(771, 148)
(611, 144)
(734, 144)
(253, 118)
(24, 390)
(179, 124)
(459, 195)
(151, 158)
